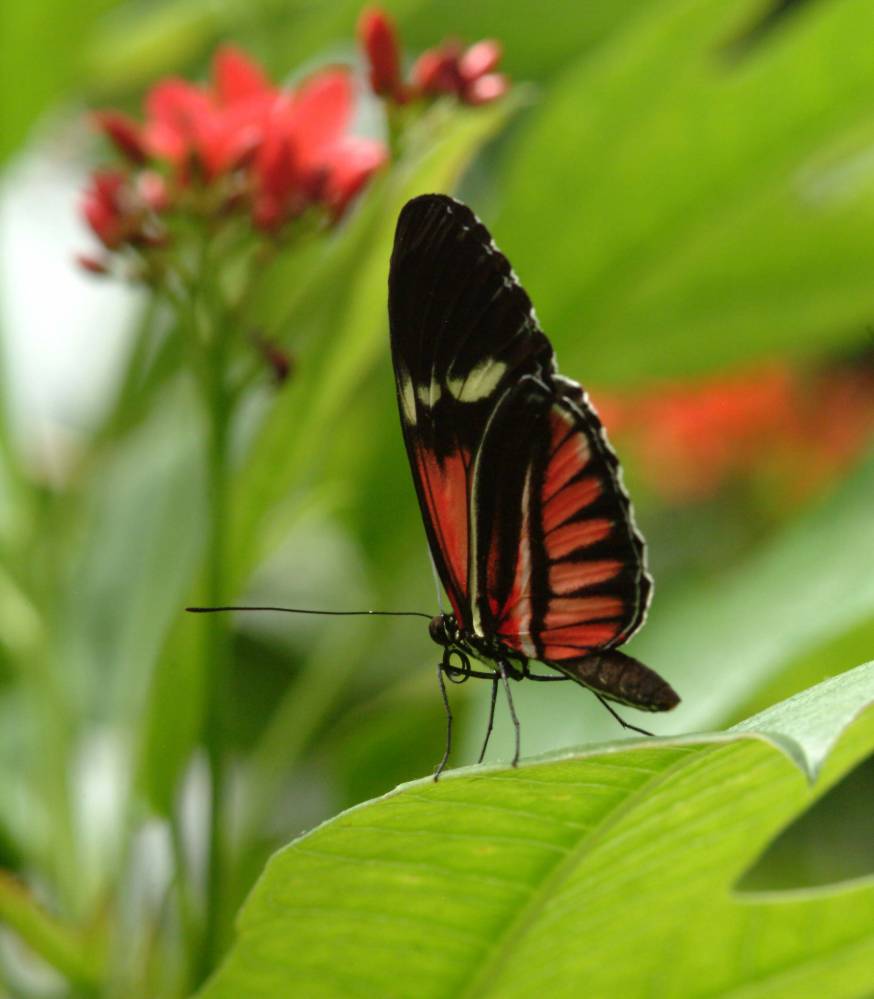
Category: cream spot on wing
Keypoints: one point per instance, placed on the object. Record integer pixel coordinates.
(408, 398)
(479, 384)
(429, 394)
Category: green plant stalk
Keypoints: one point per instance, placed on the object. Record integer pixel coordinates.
(56, 944)
(217, 635)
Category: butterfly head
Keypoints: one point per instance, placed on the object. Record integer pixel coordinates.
(444, 630)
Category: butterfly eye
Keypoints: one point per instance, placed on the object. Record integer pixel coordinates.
(439, 631)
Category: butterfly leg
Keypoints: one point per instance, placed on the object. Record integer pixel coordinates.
(495, 681)
(543, 679)
(505, 679)
(620, 719)
(441, 766)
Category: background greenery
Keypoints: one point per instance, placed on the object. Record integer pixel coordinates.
(685, 188)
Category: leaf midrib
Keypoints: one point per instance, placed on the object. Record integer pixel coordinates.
(489, 969)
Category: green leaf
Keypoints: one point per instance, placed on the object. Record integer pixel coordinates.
(39, 48)
(614, 866)
(694, 205)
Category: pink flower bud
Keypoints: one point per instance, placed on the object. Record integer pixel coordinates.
(379, 39)
(480, 59)
(485, 89)
(436, 71)
(123, 132)
(103, 208)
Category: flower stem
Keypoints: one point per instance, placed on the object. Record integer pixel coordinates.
(56, 944)
(206, 317)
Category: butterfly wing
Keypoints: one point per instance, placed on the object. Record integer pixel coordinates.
(561, 574)
(462, 333)
(528, 524)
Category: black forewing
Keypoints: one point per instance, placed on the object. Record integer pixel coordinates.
(462, 333)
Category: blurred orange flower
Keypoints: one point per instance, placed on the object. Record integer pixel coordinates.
(691, 440)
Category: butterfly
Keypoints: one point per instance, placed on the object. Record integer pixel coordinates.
(529, 526)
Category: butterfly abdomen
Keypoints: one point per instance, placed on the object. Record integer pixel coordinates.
(621, 678)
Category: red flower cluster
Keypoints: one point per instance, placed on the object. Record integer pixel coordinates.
(245, 141)
(692, 440)
(468, 74)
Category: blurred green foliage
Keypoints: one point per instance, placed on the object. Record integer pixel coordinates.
(729, 222)
(678, 192)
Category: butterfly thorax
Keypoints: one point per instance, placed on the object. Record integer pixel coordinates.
(446, 632)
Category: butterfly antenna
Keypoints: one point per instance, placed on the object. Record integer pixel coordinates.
(303, 610)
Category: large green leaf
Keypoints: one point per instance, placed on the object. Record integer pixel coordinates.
(612, 867)
(702, 207)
